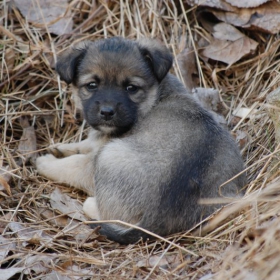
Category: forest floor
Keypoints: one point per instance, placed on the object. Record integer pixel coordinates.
(43, 234)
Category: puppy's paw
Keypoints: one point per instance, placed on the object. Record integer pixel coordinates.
(54, 150)
(62, 150)
(90, 208)
(44, 164)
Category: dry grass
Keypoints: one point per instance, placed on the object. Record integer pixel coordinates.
(242, 240)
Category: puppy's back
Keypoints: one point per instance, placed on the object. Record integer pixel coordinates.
(177, 154)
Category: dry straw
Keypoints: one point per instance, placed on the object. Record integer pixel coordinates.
(242, 241)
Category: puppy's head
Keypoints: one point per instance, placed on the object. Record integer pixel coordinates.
(117, 79)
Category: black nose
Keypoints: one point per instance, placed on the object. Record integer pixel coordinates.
(107, 113)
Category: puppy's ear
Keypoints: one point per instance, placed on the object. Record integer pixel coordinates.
(158, 56)
(68, 61)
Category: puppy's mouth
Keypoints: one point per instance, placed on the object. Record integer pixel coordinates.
(113, 129)
(111, 120)
(107, 129)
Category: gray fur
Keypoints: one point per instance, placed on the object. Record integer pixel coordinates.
(170, 154)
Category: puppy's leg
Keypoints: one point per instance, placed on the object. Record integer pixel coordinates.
(75, 170)
(65, 150)
(120, 234)
(92, 144)
(91, 209)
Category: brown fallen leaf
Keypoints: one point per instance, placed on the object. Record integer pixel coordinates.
(5, 219)
(229, 44)
(242, 138)
(161, 261)
(7, 273)
(38, 263)
(247, 3)
(187, 64)
(71, 272)
(5, 177)
(32, 264)
(6, 245)
(59, 221)
(265, 18)
(5, 186)
(4, 171)
(30, 235)
(55, 275)
(218, 4)
(66, 205)
(83, 233)
(263, 15)
(9, 58)
(47, 13)
(27, 144)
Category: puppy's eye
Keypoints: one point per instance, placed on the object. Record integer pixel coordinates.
(132, 88)
(91, 86)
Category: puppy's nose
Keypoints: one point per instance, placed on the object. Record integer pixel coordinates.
(107, 113)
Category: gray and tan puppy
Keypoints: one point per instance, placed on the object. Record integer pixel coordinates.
(153, 151)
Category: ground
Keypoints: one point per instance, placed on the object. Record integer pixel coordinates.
(42, 239)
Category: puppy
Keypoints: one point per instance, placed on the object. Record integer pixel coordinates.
(153, 151)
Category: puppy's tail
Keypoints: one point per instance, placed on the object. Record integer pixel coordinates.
(121, 234)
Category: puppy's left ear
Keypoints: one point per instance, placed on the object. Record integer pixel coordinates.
(68, 62)
(158, 56)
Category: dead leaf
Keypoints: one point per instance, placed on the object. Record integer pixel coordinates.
(55, 275)
(5, 219)
(187, 64)
(232, 47)
(6, 245)
(263, 15)
(5, 186)
(247, 3)
(9, 58)
(30, 235)
(5, 177)
(7, 273)
(47, 13)
(75, 273)
(224, 31)
(239, 18)
(59, 221)
(4, 172)
(161, 261)
(218, 4)
(80, 232)
(66, 205)
(208, 276)
(242, 138)
(38, 263)
(27, 144)
(83, 233)
(265, 18)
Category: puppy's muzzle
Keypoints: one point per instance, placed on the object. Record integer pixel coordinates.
(107, 113)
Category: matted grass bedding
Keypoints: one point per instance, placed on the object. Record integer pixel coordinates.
(242, 240)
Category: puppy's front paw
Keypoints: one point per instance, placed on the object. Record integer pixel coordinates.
(64, 150)
(56, 151)
(44, 165)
